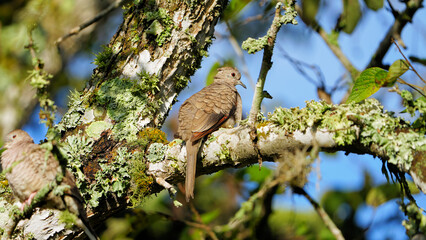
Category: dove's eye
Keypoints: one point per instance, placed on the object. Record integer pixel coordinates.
(233, 74)
(14, 136)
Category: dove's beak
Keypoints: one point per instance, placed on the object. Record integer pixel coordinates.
(242, 84)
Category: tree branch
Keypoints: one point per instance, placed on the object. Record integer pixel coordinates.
(395, 30)
(321, 212)
(331, 41)
(267, 43)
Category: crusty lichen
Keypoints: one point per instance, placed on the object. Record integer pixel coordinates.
(416, 223)
(376, 127)
(74, 147)
(127, 102)
(95, 129)
(225, 154)
(113, 178)
(156, 152)
(76, 110)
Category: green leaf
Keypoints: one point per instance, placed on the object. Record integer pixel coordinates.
(374, 4)
(367, 84)
(208, 217)
(258, 175)
(385, 192)
(350, 16)
(310, 9)
(213, 69)
(397, 68)
(232, 11)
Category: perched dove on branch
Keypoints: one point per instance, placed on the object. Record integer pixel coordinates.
(29, 168)
(217, 105)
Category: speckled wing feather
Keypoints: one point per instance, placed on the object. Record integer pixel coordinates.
(206, 111)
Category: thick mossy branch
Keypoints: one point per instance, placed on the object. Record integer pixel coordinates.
(367, 123)
(354, 128)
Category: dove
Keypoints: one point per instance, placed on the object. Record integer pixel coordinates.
(217, 105)
(29, 168)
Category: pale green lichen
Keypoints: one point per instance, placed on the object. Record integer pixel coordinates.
(376, 127)
(416, 222)
(127, 102)
(224, 154)
(413, 106)
(160, 25)
(95, 129)
(76, 110)
(252, 45)
(156, 152)
(74, 147)
(113, 177)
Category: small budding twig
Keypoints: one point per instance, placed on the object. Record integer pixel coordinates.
(266, 43)
(40, 80)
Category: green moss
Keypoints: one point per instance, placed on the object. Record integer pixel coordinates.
(95, 129)
(5, 190)
(160, 25)
(102, 59)
(377, 127)
(141, 184)
(67, 218)
(181, 82)
(149, 83)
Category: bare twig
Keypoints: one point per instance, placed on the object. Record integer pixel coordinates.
(323, 215)
(401, 20)
(414, 87)
(200, 223)
(333, 46)
(84, 25)
(408, 61)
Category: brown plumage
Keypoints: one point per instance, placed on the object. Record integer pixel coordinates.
(217, 105)
(31, 169)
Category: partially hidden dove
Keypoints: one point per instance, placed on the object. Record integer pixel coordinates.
(217, 105)
(29, 169)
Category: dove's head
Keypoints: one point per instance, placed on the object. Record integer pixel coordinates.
(229, 75)
(17, 136)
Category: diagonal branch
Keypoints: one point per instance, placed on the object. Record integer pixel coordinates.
(394, 31)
